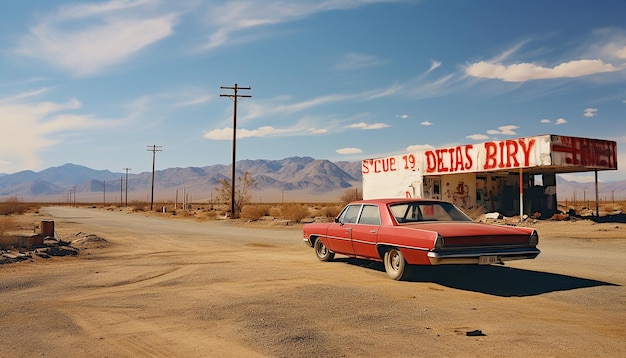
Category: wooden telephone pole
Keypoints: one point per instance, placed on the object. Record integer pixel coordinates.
(235, 97)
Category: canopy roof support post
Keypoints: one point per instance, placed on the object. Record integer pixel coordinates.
(521, 195)
(597, 204)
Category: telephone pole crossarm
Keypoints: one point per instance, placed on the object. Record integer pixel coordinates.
(235, 98)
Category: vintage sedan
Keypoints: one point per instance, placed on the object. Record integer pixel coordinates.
(401, 232)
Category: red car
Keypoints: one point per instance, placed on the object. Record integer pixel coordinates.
(401, 232)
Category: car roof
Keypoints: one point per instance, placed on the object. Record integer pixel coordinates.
(386, 201)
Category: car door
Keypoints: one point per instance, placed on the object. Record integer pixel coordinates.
(340, 233)
(365, 232)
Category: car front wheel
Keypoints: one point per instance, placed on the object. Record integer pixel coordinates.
(322, 252)
(395, 266)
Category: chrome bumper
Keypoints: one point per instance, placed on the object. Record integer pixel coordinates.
(473, 257)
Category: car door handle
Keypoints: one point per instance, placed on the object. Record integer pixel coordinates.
(348, 229)
(373, 231)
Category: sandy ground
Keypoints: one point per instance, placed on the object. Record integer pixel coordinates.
(181, 288)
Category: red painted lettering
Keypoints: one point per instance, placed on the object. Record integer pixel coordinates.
(431, 162)
(511, 149)
(491, 150)
(470, 162)
(441, 168)
(526, 150)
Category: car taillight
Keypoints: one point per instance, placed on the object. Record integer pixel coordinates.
(533, 240)
(438, 242)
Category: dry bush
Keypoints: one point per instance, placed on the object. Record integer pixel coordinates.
(7, 224)
(276, 211)
(351, 195)
(331, 211)
(294, 212)
(255, 212)
(13, 205)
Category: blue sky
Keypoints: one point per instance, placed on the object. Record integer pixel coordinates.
(95, 82)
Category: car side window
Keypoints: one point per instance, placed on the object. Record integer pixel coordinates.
(370, 215)
(350, 214)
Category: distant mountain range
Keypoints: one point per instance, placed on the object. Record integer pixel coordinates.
(287, 180)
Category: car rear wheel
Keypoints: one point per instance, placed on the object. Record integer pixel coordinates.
(395, 266)
(322, 252)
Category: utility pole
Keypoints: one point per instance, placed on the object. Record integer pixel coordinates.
(153, 149)
(235, 97)
(126, 169)
(121, 189)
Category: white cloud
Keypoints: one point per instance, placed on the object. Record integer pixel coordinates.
(349, 151)
(477, 137)
(227, 133)
(403, 116)
(355, 61)
(363, 125)
(33, 126)
(318, 130)
(419, 147)
(522, 72)
(560, 121)
(590, 112)
(426, 123)
(506, 130)
(547, 121)
(115, 31)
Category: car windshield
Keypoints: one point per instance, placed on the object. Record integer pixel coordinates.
(419, 211)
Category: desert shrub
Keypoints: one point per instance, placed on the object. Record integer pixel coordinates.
(6, 224)
(350, 195)
(294, 212)
(255, 212)
(276, 211)
(330, 211)
(13, 205)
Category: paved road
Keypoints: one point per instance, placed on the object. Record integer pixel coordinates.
(171, 287)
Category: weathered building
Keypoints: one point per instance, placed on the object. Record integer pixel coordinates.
(513, 176)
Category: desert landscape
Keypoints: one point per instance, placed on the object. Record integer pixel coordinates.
(149, 284)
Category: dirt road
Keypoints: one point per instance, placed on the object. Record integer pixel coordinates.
(167, 288)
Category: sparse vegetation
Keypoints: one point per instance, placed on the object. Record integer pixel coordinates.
(242, 192)
(7, 224)
(351, 194)
(13, 205)
(294, 212)
(255, 212)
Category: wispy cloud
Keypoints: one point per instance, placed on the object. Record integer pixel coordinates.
(367, 126)
(477, 136)
(506, 130)
(237, 19)
(356, 61)
(36, 125)
(86, 39)
(426, 123)
(590, 112)
(560, 121)
(347, 151)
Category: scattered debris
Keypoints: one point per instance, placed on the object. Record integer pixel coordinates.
(475, 333)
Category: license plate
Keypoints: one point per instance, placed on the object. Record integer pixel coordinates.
(487, 260)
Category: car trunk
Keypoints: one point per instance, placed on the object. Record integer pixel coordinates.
(469, 234)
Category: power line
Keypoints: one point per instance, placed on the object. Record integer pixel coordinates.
(235, 97)
(153, 149)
